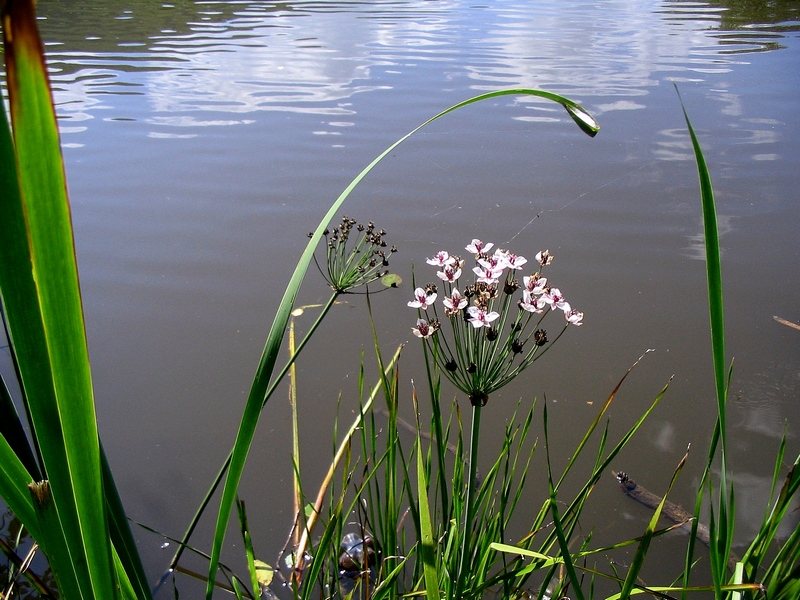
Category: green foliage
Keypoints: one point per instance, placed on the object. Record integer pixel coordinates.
(427, 537)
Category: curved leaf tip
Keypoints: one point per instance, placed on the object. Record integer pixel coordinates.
(585, 121)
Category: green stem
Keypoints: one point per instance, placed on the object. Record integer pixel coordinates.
(441, 443)
(463, 572)
(226, 464)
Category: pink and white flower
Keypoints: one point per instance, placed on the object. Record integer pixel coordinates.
(480, 318)
(478, 247)
(574, 317)
(441, 259)
(422, 299)
(449, 273)
(531, 303)
(424, 329)
(535, 284)
(554, 298)
(495, 261)
(488, 275)
(455, 302)
(514, 261)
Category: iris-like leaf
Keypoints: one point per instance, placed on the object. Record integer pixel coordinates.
(42, 303)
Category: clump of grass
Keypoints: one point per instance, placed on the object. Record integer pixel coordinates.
(393, 496)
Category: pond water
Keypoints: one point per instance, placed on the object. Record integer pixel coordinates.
(204, 140)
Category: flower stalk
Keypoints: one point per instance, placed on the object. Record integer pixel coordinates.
(494, 334)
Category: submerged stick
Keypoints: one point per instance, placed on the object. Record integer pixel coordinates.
(787, 323)
(674, 512)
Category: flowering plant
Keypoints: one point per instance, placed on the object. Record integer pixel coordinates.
(494, 337)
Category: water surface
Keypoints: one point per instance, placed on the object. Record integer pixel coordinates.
(203, 140)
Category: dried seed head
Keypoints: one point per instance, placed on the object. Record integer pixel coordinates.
(510, 286)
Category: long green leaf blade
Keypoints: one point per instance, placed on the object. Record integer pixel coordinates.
(58, 548)
(43, 307)
(721, 539)
(713, 273)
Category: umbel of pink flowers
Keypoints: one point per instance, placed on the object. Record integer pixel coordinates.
(494, 330)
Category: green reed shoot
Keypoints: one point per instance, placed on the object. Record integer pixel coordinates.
(781, 579)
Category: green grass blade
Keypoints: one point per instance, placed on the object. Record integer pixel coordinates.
(248, 545)
(562, 540)
(543, 561)
(721, 538)
(698, 504)
(760, 546)
(314, 569)
(126, 589)
(666, 591)
(256, 397)
(713, 273)
(782, 578)
(428, 547)
(387, 586)
(43, 307)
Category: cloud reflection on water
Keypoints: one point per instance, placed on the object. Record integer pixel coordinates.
(309, 59)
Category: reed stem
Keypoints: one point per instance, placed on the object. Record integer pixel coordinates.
(463, 571)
